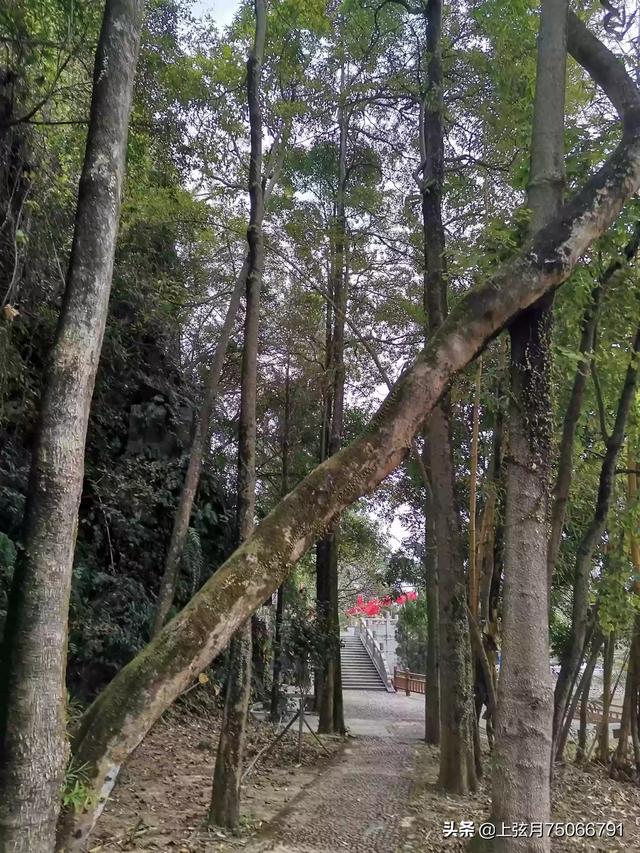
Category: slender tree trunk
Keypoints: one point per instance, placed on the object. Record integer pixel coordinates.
(634, 706)
(277, 649)
(489, 575)
(620, 758)
(182, 519)
(120, 717)
(457, 763)
(432, 687)
(331, 718)
(589, 542)
(197, 450)
(474, 578)
(225, 799)
(607, 678)
(581, 749)
(14, 186)
(563, 736)
(620, 762)
(521, 789)
(33, 747)
(562, 484)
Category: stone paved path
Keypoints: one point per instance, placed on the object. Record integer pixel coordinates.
(359, 803)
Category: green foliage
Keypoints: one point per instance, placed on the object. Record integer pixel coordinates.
(306, 643)
(411, 633)
(76, 790)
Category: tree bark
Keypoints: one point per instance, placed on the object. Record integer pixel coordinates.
(581, 748)
(331, 717)
(588, 543)
(14, 186)
(277, 641)
(457, 765)
(119, 718)
(521, 784)
(620, 761)
(607, 678)
(225, 798)
(596, 645)
(474, 578)
(432, 686)
(32, 716)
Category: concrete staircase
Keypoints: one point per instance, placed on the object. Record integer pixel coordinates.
(358, 670)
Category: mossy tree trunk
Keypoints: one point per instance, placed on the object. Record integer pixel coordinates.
(120, 717)
(33, 749)
(521, 783)
(225, 797)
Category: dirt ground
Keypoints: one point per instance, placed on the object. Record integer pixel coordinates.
(161, 799)
(578, 796)
(375, 793)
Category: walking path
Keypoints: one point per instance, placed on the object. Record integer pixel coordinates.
(359, 803)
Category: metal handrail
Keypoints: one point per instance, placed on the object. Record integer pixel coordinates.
(375, 654)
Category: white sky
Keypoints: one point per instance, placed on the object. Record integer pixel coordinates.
(222, 11)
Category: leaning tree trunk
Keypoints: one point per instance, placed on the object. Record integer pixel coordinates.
(32, 721)
(521, 785)
(120, 717)
(225, 798)
(620, 760)
(457, 762)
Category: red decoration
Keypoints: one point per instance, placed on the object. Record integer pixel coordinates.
(374, 606)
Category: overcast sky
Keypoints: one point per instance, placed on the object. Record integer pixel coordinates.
(221, 10)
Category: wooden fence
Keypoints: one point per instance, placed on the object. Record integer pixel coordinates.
(415, 682)
(410, 682)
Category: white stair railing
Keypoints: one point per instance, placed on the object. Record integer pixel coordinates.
(375, 653)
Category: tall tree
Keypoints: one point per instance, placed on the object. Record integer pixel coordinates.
(225, 798)
(521, 790)
(331, 718)
(284, 489)
(135, 698)
(457, 764)
(32, 721)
